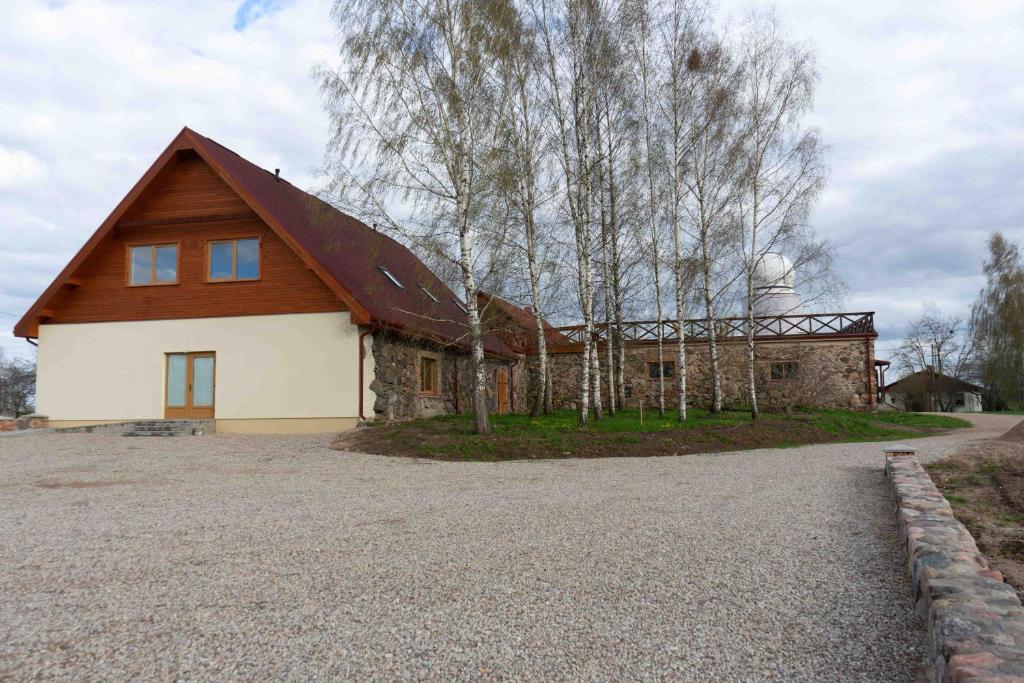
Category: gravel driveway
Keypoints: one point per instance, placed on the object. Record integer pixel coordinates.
(227, 557)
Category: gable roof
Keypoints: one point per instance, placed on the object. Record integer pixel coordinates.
(922, 381)
(523, 318)
(344, 252)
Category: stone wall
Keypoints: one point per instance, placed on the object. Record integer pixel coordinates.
(831, 374)
(975, 621)
(396, 380)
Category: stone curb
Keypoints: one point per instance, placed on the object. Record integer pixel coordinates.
(975, 621)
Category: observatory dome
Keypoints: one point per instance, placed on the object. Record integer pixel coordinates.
(774, 282)
(774, 271)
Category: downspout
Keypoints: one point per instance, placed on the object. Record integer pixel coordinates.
(512, 386)
(871, 370)
(362, 358)
(455, 383)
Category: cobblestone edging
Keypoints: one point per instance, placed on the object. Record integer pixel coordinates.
(975, 621)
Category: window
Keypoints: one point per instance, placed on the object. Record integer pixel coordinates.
(668, 369)
(232, 260)
(784, 370)
(430, 294)
(428, 375)
(391, 277)
(153, 264)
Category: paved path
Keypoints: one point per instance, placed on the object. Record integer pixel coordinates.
(229, 557)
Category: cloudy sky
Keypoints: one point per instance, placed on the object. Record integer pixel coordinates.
(922, 103)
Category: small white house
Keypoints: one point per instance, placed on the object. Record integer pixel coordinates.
(931, 391)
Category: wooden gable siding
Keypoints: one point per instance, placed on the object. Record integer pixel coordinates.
(189, 205)
(187, 189)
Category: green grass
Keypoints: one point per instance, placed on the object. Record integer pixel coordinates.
(560, 434)
(561, 422)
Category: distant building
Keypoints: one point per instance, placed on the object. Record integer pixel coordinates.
(931, 391)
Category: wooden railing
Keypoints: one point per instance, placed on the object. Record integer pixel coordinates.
(811, 324)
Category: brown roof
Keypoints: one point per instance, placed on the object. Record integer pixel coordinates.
(347, 254)
(524, 318)
(924, 381)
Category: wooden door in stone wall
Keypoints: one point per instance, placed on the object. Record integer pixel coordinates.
(501, 380)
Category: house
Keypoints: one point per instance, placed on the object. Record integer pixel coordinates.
(928, 390)
(218, 290)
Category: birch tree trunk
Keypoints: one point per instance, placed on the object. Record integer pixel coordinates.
(652, 201)
(613, 236)
(606, 284)
(481, 410)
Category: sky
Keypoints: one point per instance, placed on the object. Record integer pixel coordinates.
(922, 104)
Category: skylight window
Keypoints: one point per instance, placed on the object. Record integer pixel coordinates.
(391, 277)
(430, 294)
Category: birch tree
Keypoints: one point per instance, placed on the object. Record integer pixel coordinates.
(412, 112)
(568, 39)
(645, 69)
(782, 171)
(676, 111)
(522, 134)
(710, 176)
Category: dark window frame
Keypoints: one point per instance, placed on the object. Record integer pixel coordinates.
(783, 370)
(668, 369)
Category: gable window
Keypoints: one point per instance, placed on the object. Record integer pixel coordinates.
(391, 277)
(232, 260)
(153, 264)
(784, 370)
(429, 383)
(668, 369)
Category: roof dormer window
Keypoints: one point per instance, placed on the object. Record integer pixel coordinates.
(391, 277)
(430, 294)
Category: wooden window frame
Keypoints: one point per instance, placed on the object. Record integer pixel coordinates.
(234, 259)
(790, 370)
(436, 390)
(153, 246)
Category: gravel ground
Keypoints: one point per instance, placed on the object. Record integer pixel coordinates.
(227, 557)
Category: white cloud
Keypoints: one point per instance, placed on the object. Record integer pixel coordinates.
(921, 102)
(19, 168)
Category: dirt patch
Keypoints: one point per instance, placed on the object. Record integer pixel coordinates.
(449, 440)
(984, 483)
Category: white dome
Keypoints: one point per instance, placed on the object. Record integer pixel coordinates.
(774, 271)
(774, 282)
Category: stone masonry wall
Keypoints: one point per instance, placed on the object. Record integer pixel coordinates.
(975, 621)
(830, 374)
(396, 380)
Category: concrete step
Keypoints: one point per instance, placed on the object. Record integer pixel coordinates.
(166, 427)
(154, 434)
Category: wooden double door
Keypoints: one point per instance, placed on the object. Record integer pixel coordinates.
(190, 385)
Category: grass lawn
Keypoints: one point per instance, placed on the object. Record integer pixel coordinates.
(559, 435)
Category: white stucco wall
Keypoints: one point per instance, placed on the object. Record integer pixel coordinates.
(275, 366)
